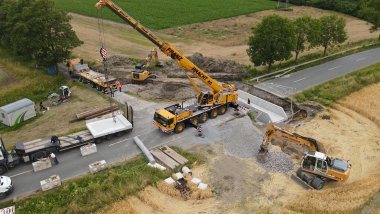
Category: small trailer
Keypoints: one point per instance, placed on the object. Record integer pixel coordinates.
(17, 112)
(97, 131)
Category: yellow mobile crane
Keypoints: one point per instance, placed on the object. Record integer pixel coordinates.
(141, 74)
(209, 104)
(316, 167)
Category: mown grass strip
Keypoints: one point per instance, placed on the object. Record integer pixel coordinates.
(91, 193)
(333, 90)
(27, 82)
(168, 13)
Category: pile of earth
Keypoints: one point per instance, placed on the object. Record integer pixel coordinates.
(219, 69)
(171, 82)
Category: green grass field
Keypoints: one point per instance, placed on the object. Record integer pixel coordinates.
(168, 13)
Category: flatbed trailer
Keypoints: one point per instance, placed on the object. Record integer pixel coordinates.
(96, 132)
(97, 80)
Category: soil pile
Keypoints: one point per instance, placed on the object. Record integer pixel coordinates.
(171, 82)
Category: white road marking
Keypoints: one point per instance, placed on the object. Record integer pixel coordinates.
(20, 173)
(299, 79)
(112, 144)
(334, 67)
(360, 59)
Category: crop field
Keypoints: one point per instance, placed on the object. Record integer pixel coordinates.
(168, 13)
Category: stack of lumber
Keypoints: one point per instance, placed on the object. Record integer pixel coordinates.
(168, 157)
(95, 113)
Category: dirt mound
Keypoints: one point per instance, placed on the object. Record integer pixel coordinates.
(120, 61)
(171, 82)
(212, 65)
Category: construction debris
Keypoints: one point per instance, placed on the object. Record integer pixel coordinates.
(185, 186)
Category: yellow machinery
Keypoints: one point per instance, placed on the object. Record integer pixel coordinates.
(316, 167)
(209, 104)
(141, 74)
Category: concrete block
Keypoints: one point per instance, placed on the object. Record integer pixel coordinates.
(51, 182)
(88, 149)
(42, 164)
(97, 166)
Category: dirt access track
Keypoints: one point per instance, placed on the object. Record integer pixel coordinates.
(349, 130)
(223, 38)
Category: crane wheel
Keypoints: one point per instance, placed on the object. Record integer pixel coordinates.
(213, 113)
(179, 128)
(195, 121)
(203, 118)
(317, 183)
(222, 110)
(3, 170)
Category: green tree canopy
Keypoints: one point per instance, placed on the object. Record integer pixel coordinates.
(370, 10)
(35, 29)
(272, 40)
(332, 31)
(306, 33)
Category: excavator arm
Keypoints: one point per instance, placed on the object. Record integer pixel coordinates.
(166, 48)
(275, 131)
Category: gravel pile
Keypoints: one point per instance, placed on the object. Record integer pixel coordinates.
(242, 139)
(277, 162)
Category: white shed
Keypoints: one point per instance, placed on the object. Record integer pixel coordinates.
(17, 112)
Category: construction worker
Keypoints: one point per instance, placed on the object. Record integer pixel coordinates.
(54, 158)
(119, 85)
(55, 140)
(199, 130)
(112, 91)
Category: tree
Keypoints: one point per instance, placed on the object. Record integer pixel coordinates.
(36, 30)
(370, 11)
(306, 33)
(272, 40)
(332, 31)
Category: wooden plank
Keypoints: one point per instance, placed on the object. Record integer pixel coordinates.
(164, 159)
(173, 154)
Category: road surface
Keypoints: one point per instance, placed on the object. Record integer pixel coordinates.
(72, 164)
(296, 82)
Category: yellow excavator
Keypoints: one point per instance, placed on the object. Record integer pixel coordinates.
(141, 74)
(209, 104)
(316, 167)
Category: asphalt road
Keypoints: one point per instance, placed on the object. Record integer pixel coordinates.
(119, 149)
(296, 82)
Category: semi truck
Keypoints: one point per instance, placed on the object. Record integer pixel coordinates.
(97, 130)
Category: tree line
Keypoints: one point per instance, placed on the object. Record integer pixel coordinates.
(36, 30)
(368, 10)
(276, 37)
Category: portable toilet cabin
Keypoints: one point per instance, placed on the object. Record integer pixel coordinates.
(17, 112)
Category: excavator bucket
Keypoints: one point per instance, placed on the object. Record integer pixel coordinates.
(261, 156)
